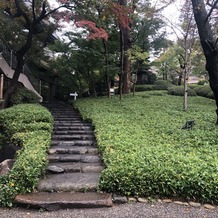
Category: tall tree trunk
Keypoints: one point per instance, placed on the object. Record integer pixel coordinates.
(121, 64)
(135, 79)
(186, 75)
(1, 85)
(185, 101)
(106, 68)
(209, 45)
(180, 79)
(126, 60)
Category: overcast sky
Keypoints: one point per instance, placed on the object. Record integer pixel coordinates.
(171, 13)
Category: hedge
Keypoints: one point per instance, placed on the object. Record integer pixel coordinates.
(30, 126)
(179, 91)
(141, 88)
(25, 117)
(204, 91)
(23, 95)
(162, 85)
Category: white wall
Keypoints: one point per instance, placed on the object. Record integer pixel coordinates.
(22, 78)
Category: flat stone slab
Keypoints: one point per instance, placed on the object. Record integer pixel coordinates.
(78, 167)
(90, 159)
(73, 137)
(65, 132)
(74, 128)
(56, 201)
(74, 142)
(55, 169)
(70, 123)
(72, 149)
(84, 158)
(69, 182)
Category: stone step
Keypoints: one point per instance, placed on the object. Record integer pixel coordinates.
(69, 117)
(70, 132)
(60, 118)
(67, 149)
(57, 201)
(74, 143)
(63, 111)
(74, 128)
(69, 182)
(83, 158)
(65, 114)
(76, 123)
(73, 137)
(74, 167)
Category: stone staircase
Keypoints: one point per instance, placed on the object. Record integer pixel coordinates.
(72, 176)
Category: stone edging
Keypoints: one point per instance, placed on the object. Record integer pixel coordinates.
(123, 200)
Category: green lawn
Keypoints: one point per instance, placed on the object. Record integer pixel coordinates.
(146, 152)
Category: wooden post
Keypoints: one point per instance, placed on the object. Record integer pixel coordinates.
(1, 85)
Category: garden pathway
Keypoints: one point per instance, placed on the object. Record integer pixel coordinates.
(72, 176)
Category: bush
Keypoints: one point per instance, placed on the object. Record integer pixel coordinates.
(147, 153)
(25, 117)
(30, 126)
(30, 164)
(23, 95)
(141, 88)
(204, 91)
(192, 86)
(179, 91)
(162, 85)
(203, 82)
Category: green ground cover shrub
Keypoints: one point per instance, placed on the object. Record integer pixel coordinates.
(179, 91)
(25, 117)
(162, 85)
(145, 151)
(23, 95)
(141, 88)
(192, 86)
(29, 126)
(204, 90)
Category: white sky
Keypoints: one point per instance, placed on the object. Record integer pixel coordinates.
(171, 14)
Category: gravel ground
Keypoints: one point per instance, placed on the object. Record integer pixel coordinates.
(134, 210)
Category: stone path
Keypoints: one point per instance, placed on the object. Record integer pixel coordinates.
(74, 166)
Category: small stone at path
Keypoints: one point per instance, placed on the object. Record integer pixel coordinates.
(119, 199)
(167, 200)
(55, 169)
(209, 206)
(142, 200)
(194, 204)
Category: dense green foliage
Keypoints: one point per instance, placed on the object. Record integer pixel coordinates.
(30, 126)
(141, 88)
(25, 118)
(204, 91)
(146, 151)
(23, 95)
(179, 91)
(162, 84)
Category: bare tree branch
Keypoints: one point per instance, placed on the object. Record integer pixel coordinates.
(213, 6)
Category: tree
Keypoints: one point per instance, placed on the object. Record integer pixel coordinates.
(208, 43)
(168, 64)
(28, 20)
(186, 42)
(137, 57)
